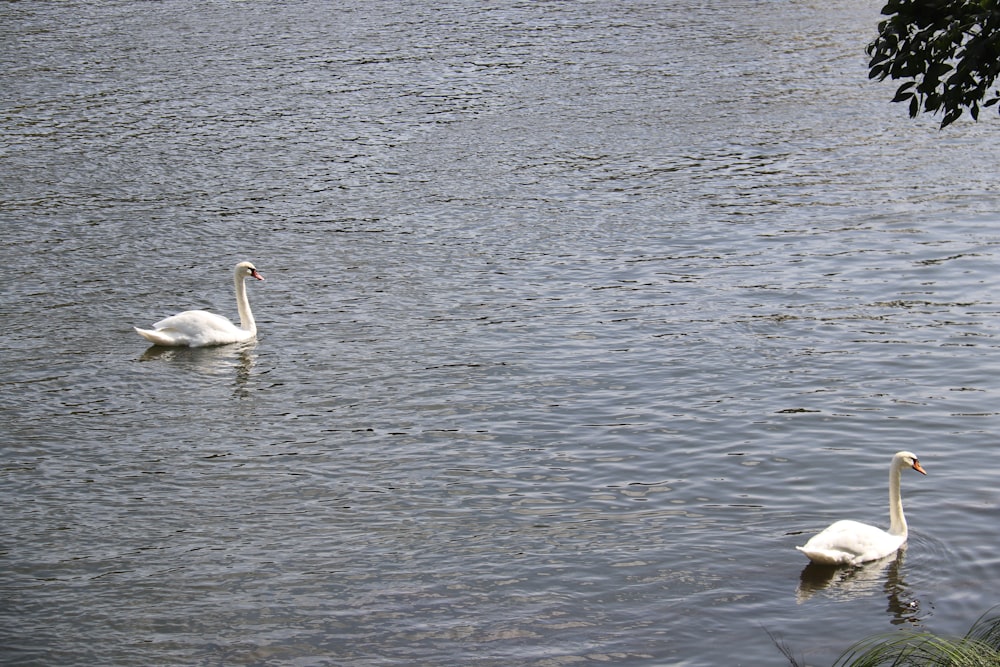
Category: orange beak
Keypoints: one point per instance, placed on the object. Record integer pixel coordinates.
(256, 275)
(919, 468)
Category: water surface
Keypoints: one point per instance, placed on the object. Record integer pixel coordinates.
(578, 318)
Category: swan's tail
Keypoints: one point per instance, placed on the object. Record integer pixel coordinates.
(829, 556)
(154, 337)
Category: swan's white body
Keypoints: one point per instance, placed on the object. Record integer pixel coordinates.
(853, 543)
(199, 328)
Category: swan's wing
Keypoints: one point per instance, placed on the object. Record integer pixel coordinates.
(195, 322)
(851, 542)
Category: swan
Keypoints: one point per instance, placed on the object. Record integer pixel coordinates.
(199, 328)
(852, 543)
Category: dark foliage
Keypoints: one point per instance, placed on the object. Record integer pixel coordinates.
(947, 52)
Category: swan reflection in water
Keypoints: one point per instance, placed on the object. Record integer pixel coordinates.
(218, 361)
(864, 580)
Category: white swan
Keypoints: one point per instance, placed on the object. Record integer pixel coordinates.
(851, 542)
(199, 328)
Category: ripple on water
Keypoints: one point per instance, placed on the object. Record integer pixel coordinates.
(561, 349)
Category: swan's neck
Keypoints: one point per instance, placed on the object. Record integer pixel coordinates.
(897, 522)
(243, 305)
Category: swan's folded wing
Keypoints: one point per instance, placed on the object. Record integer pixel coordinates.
(193, 322)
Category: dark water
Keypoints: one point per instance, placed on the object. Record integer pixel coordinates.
(578, 317)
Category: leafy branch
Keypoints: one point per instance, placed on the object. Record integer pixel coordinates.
(946, 52)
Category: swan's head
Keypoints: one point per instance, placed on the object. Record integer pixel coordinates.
(246, 270)
(908, 460)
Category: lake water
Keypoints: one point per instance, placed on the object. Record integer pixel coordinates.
(578, 317)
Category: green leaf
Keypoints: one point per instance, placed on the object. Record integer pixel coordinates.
(901, 92)
(937, 70)
(950, 117)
